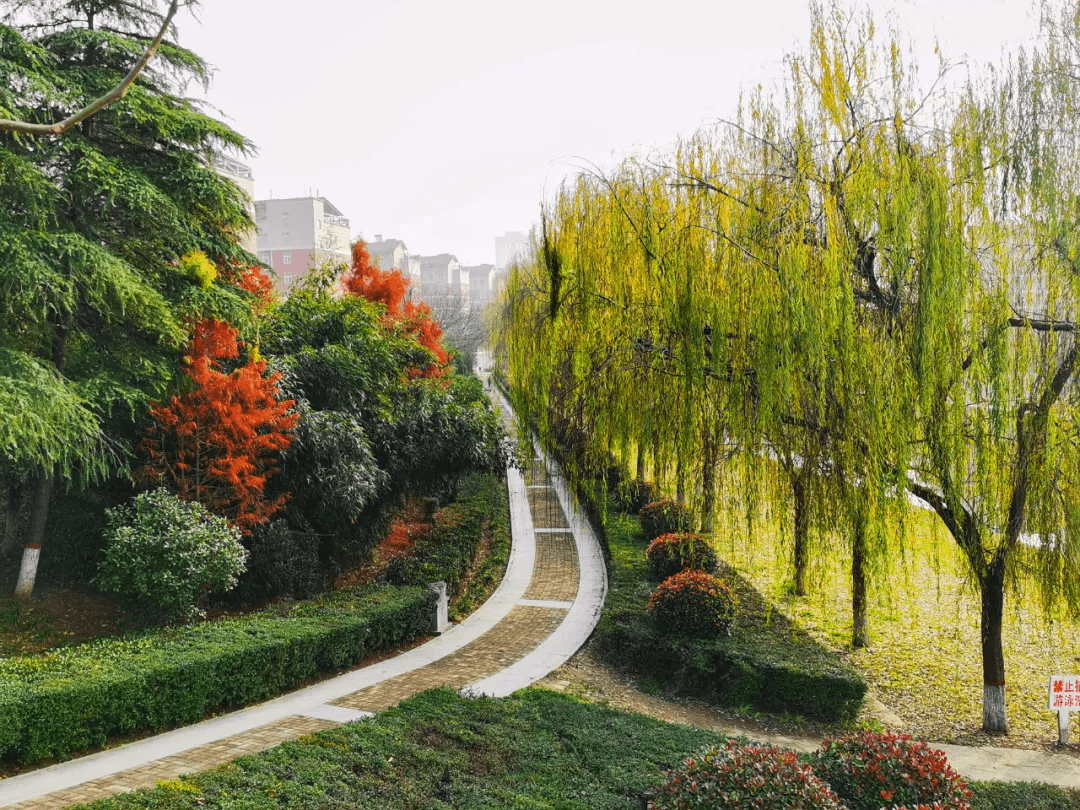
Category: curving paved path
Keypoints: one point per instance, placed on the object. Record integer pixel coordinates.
(543, 610)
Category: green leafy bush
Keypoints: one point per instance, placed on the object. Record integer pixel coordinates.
(284, 562)
(693, 603)
(669, 554)
(664, 516)
(76, 697)
(737, 776)
(869, 770)
(166, 554)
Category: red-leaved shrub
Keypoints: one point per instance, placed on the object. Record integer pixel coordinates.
(693, 603)
(738, 776)
(669, 554)
(869, 770)
(664, 516)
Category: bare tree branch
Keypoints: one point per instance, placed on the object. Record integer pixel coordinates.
(7, 125)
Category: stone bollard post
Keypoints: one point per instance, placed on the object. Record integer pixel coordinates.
(439, 619)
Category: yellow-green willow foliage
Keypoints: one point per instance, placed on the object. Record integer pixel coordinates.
(873, 286)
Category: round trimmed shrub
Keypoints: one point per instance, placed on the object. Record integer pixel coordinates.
(737, 776)
(664, 516)
(669, 554)
(693, 603)
(632, 496)
(869, 770)
(166, 554)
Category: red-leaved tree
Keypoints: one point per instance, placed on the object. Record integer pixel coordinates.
(218, 443)
(253, 280)
(389, 288)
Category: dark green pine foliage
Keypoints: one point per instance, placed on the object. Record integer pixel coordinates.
(92, 223)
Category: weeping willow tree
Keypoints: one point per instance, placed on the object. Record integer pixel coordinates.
(874, 282)
(946, 227)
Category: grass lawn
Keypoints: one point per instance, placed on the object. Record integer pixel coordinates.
(924, 660)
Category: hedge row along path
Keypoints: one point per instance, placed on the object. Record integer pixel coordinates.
(544, 609)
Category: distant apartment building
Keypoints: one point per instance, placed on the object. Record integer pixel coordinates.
(389, 254)
(300, 232)
(511, 247)
(441, 278)
(481, 285)
(240, 174)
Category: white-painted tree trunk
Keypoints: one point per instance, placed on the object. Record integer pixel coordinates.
(28, 571)
(35, 536)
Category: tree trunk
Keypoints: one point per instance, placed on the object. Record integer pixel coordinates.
(860, 622)
(14, 505)
(657, 467)
(802, 531)
(992, 592)
(708, 487)
(680, 481)
(43, 487)
(639, 473)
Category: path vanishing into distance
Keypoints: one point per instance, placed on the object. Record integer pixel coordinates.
(543, 611)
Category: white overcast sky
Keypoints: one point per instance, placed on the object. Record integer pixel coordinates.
(446, 122)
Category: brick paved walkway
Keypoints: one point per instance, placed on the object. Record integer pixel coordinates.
(544, 609)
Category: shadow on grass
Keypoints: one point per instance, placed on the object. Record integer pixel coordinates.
(767, 662)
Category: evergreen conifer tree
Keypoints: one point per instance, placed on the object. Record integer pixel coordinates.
(92, 298)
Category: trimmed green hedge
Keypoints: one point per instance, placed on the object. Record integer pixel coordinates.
(447, 552)
(76, 697)
(767, 662)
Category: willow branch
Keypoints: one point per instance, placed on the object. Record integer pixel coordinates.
(118, 92)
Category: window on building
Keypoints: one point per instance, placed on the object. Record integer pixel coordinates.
(260, 210)
(285, 238)
(264, 256)
(288, 279)
(285, 218)
(286, 258)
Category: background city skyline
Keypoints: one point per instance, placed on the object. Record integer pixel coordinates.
(446, 125)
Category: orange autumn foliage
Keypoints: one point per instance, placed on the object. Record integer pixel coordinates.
(253, 280)
(217, 444)
(389, 288)
(365, 280)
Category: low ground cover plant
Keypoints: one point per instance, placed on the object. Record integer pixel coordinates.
(693, 603)
(669, 554)
(744, 776)
(663, 516)
(869, 770)
(534, 749)
(72, 698)
(163, 555)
